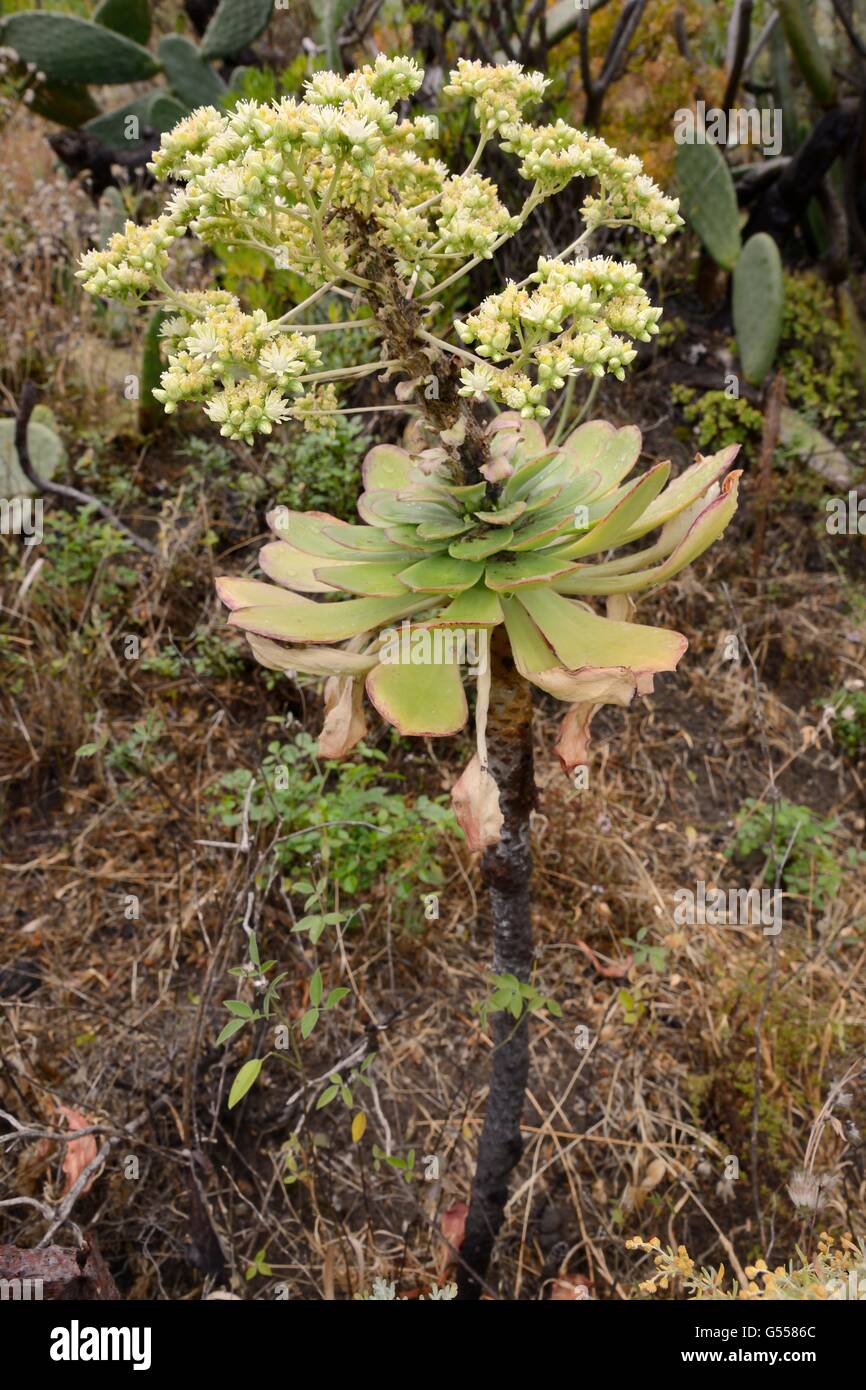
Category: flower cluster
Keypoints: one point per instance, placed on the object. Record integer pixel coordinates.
(630, 197)
(212, 344)
(571, 323)
(499, 93)
(132, 262)
(317, 184)
(244, 407)
(553, 155)
(472, 220)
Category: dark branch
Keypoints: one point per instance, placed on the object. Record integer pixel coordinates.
(22, 420)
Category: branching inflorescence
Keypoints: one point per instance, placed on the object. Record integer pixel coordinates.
(488, 524)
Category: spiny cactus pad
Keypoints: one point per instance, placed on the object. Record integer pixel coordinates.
(708, 201)
(189, 75)
(69, 49)
(156, 111)
(235, 24)
(129, 17)
(758, 305)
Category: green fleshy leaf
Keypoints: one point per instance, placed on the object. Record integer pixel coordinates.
(470, 495)
(525, 479)
(311, 661)
(598, 446)
(443, 531)
(407, 537)
(544, 497)
(684, 490)
(420, 700)
(582, 639)
(558, 519)
(307, 531)
(389, 467)
(236, 592)
(504, 515)
(483, 546)
(516, 571)
(383, 509)
(531, 652)
(706, 529)
(371, 579)
(475, 607)
(294, 569)
(442, 575)
(611, 528)
(322, 622)
(366, 539)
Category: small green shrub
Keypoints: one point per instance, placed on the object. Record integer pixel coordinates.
(718, 419)
(207, 653)
(817, 357)
(371, 829)
(80, 544)
(812, 868)
(317, 470)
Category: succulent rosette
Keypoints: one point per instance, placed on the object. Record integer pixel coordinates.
(527, 548)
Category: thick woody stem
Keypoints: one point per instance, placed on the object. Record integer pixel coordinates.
(506, 866)
(402, 322)
(506, 872)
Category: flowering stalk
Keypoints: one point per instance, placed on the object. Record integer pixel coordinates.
(488, 525)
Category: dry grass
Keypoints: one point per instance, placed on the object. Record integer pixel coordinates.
(633, 1132)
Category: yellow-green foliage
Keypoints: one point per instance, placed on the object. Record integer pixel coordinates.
(717, 418)
(658, 79)
(818, 356)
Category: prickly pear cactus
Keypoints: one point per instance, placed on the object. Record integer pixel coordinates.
(129, 17)
(156, 111)
(708, 201)
(758, 305)
(235, 24)
(67, 53)
(69, 49)
(189, 75)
